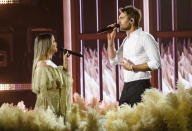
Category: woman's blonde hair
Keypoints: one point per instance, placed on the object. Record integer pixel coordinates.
(42, 46)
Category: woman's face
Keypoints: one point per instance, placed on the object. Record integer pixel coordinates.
(53, 46)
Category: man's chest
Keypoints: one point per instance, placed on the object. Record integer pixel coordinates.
(133, 46)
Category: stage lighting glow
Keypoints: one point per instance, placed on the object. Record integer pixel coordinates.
(14, 87)
(9, 1)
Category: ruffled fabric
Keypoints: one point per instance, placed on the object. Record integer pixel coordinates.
(53, 89)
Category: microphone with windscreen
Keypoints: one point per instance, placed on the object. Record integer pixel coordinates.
(70, 52)
(106, 29)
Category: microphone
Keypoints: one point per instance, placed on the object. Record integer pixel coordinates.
(70, 52)
(103, 30)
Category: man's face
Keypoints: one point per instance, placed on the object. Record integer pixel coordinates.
(124, 22)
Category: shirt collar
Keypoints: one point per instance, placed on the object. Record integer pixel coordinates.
(135, 32)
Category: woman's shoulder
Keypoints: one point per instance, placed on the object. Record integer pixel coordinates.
(43, 64)
(43, 70)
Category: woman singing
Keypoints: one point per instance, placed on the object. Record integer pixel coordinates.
(51, 83)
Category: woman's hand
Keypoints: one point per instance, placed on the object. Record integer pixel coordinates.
(65, 61)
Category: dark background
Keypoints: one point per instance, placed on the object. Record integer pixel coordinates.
(19, 24)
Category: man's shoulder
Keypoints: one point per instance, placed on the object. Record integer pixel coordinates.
(124, 39)
(145, 35)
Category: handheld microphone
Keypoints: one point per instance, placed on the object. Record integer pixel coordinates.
(103, 30)
(70, 52)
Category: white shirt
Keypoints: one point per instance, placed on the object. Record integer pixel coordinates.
(140, 47)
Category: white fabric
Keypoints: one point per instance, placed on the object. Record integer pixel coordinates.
(140, 47)
(50, 63)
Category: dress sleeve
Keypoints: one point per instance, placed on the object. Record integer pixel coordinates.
(67, 82)
(43, 78)
(66, 78)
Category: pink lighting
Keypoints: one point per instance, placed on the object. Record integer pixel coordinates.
(14, 87)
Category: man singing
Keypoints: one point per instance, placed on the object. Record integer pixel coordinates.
(138, 55)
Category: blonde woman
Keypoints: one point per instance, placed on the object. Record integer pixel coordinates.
(50, 82)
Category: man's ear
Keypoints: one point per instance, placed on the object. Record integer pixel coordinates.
(131, 20)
